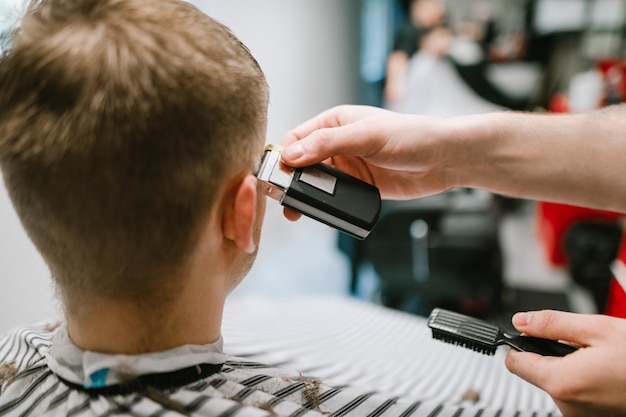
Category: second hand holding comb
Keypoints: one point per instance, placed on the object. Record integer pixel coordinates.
(483, 337)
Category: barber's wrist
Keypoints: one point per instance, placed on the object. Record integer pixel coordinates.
(470, 144)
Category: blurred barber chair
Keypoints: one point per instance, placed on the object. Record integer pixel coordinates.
(584, 241)
(591, 247)
(441, 250)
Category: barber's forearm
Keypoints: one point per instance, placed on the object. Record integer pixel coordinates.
(578, 159)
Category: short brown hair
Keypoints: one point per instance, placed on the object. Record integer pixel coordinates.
(119, 122)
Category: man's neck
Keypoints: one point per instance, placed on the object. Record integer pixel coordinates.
(124, 328)
(122, 332)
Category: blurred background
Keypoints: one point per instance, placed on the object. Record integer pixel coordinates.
(478, 253)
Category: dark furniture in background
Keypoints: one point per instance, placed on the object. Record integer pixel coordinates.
(437, 251)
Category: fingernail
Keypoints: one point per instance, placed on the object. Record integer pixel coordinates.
(293, 152)
(522, 319)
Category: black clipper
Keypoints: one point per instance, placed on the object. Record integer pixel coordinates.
(322, 193)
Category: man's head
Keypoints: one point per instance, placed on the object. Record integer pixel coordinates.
(121, 122)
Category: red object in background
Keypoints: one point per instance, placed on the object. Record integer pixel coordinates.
(616, 303)
(555, 219)
(614, 64)
(559, 103)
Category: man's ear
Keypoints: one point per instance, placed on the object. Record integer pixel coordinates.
(238, 220)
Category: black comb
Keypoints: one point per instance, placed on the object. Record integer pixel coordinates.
(472, 333)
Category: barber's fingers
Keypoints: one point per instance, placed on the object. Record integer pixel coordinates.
(343, 130)
(545, 372)
(290, 214)
(549, 324)
(326, 119)
(581, 329)
(334, 117)
(582, 384)
(324, 144)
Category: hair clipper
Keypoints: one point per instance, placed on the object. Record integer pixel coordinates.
(321, 192)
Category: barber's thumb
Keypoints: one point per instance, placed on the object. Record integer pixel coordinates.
(292, 153)
(522, 320)
(533, 323)
(317, 147)
(551, 324)
(307, 151)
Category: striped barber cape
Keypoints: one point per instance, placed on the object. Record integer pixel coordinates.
(300, 357)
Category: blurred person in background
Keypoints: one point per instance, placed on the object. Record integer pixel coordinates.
(421, 75)
(425, 30)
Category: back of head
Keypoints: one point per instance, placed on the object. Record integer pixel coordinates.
(119, 122)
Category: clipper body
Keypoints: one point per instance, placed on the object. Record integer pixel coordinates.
(322, 193)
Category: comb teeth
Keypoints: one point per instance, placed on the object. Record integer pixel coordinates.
(459, 341)
(464, 331)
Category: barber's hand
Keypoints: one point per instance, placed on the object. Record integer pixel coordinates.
(400, 154)
(588, 382)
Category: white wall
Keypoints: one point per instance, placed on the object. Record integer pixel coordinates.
(309, 52)
(25, 287)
